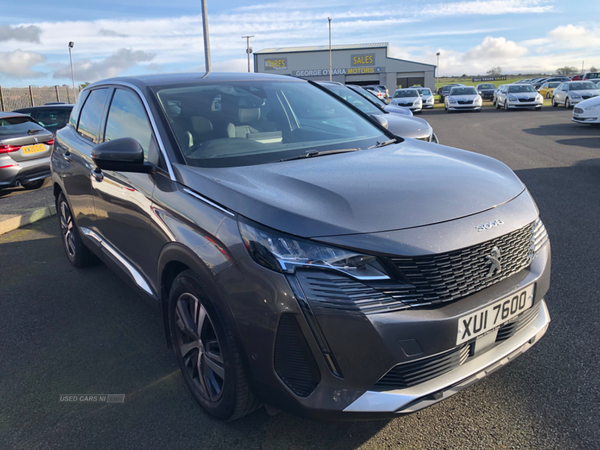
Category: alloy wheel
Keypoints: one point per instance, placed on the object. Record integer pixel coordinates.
(199, 347)
(66, 226)
(567, 103)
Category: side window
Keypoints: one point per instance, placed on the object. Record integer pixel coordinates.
(127, 118)
(77, 108)
(89, 121)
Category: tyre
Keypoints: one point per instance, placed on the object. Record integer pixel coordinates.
(205, 349)
(538, 108)
(548, 95)
(554, 104)
(567, 103)
(33, 184)
(79, 255)
(497, 104)
(505, 105)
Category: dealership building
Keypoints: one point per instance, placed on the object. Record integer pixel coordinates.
(361, 64)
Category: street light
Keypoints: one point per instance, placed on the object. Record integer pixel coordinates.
(207, 64)
(330, 74)
(437, 67)
(248, 49)
(71, 44)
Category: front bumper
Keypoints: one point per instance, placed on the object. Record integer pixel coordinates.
(406, 401)
(518, 105)
(592, 116)
(457, 107)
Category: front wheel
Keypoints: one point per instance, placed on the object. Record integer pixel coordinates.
(567, 103)
(554, 104)
(548, 95)
(505, 105)
(79, 255)
(205, 349)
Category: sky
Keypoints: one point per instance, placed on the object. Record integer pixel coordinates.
(133, 37)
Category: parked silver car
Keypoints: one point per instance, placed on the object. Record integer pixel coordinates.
(496, 92)
(517, 96)
(463, 98)
(25, 148)
(409, 98)
(573, 92)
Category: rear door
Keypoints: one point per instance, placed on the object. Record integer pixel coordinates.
(123, 200)
(74, 156)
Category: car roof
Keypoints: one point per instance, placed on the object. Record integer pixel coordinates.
(11, 114)
(57, 106)
(144, 81)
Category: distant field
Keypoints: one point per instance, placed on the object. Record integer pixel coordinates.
(467, 81)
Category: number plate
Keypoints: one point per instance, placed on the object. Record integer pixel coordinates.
(493, 316)
(29, 149)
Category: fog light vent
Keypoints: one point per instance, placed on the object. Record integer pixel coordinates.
(294, 362)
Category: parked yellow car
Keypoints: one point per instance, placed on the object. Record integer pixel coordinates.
(548, 88)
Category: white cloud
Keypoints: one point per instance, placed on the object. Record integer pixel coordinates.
(492, 7)
(18, 64)
(29, 33)
(114, 65)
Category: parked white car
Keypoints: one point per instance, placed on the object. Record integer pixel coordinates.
(426, 97)
(516, 96)
(573, 92)
(496, 92)
(463, 98)
(587, 111)
(409, 98)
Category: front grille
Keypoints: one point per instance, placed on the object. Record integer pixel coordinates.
(585, 97)
(410, 374)
(527, 99)
(294, 362)
(578, 110)
(510, 329)
(465, 102)
(432, 279)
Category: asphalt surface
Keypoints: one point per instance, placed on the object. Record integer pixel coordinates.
(71, 331)
(15, 191)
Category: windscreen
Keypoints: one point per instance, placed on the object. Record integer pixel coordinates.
(424, 91)
(463, 91)
(486, 86)
(18, 126)
(582, 86)
(261, 121)
(352, 97)
(516, 88)
(406, 93)
(553, 85)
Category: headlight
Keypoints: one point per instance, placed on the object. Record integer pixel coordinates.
(539, 98)
(284, 253)
(512, 99)
(589, 108)
(478, 99)
(575, 96)
(451, 99)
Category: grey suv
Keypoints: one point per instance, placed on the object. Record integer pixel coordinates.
(302, 255)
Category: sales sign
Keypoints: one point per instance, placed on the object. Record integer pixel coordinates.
(361, 60)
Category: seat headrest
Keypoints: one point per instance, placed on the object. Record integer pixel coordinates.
(248, 115)
(201, 124)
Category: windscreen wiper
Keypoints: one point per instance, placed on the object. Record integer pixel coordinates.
(383, 144)
(30, 132)
(314, 153)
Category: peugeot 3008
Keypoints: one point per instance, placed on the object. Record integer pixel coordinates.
(304, 257)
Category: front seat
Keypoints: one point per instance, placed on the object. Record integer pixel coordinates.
(246, 118)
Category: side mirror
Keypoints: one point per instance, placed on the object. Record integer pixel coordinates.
(122, 155)
(380, 120)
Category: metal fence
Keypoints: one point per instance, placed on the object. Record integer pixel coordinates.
(24, 97)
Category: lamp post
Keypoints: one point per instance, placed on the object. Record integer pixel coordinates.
(208, 67)
(437, 67)
(248, 49)
(71, 44)
(330, 74)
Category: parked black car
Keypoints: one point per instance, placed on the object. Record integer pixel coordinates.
(24, 151)
(486, 91)
(52, 116)
(302, 255)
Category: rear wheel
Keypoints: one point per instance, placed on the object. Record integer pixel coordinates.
(33, 184)
(79, 255)
(206, 351)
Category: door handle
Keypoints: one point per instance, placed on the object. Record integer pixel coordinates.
(97, 174)
(67, 155)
